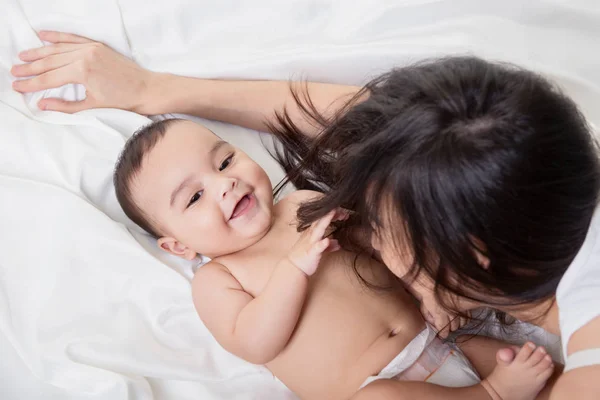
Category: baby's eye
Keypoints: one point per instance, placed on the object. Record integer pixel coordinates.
(226, 163)
(196, 197)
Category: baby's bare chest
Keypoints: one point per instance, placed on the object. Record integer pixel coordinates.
(253, 267)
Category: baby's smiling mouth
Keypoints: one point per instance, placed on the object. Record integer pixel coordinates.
(243, 205)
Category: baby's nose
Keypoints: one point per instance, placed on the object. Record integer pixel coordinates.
(229, 185)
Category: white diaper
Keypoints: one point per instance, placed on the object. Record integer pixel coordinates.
(428, 359)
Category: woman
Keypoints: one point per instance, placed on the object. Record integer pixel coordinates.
(468, 177)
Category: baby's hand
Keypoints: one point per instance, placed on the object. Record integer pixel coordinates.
(308, 250)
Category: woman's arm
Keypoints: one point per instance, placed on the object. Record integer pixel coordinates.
(114, 81)
(251, 104)
(581, 383)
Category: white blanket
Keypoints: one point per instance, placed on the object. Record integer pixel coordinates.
(92, 310)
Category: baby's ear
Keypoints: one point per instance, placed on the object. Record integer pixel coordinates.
(173, 246)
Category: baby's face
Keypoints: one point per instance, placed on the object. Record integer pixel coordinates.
(202, 193)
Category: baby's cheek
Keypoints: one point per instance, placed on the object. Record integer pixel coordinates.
(210, 226)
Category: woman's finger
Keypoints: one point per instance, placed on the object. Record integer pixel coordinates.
(428, 316)
(62, 37)
(48, 80)
(45, 51)
(69, 107)
(454, 324)
(443, 330)
(44, 65)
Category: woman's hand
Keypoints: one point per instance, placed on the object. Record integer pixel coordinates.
(114, 81)
(110, 79)
(433, 312)
(437, 316)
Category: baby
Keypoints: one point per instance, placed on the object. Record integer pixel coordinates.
(290, 300)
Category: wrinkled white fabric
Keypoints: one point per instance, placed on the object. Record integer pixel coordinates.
(92, 310)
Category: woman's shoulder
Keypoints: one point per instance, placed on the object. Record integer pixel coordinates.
(587, 260)
(578, 292)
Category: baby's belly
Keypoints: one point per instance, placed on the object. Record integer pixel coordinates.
(346, 333)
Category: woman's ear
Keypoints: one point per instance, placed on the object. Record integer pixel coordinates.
(173, 246)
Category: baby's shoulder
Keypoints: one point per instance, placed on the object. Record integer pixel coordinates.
(212, 274)
(286, 208)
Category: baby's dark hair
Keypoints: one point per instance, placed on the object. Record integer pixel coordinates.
(461, 156)
(128, 165)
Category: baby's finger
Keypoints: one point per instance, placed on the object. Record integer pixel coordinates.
(341, 214)
(319, 228)
(45, 51)
(334, 245)
(55, 37)
(319, 247)
(43, 65)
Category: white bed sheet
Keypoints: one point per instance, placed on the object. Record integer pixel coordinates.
(90, 309)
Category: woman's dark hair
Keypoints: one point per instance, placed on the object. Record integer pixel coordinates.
(454, 157)
(128, 166)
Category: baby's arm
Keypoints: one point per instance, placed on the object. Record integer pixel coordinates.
(258, 328)
(255, 329)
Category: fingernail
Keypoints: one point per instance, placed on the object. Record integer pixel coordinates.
(531, 345)
(542, 350)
